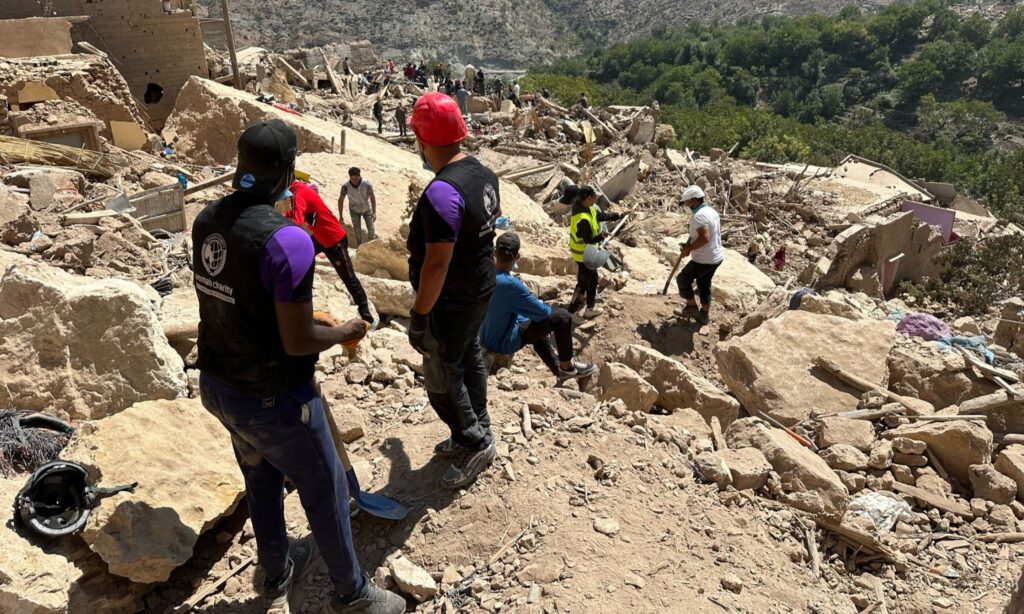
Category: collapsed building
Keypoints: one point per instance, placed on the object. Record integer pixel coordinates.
(875, 450)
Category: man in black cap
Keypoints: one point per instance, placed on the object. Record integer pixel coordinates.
(516, 318)
(258, 347)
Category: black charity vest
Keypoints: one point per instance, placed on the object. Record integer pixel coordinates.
(239, 342)
(471, 272)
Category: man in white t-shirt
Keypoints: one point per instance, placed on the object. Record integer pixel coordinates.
(704, 247)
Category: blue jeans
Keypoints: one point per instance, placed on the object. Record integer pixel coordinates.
(357, 226)
(288, 436)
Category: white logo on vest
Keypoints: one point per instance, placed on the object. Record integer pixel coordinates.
(215, 254)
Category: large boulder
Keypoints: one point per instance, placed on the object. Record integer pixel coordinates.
(957, 445)
(771, 368)
(1003, 412)
(1010, 463)
(188, 477)
(1010, 331)
(390, 297)
(383, 254)
(81, 348)
(857, 433)
(61, 578)
(618, 381)
(678, 387)
(738, 284)
(808, 481)
(919, 369)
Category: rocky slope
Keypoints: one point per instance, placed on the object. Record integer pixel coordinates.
(497, 33)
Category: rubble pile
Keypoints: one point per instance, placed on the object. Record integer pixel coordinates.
(876, 449)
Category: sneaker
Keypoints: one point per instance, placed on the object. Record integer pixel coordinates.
(369, 600)
(579, 370)
(690, 311)
(446, 448)
(592, 312)
(703, 317)
(468, 463)
(276, 592)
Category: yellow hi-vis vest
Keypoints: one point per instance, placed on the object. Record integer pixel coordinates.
(576, 245)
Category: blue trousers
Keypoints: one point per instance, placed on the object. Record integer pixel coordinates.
(281, 436)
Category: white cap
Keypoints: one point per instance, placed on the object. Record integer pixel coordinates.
(692, 192)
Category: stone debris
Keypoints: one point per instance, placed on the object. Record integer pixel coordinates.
(82, 340)
(771, 369)
(412, 579)
(188, 480)
(618, 381)
(81, 348)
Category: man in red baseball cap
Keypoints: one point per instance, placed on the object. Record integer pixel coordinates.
(451, 267)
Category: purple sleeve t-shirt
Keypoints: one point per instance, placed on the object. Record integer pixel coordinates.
(444, 216)
(286, 266)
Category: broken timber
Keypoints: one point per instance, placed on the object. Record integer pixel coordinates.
(294, 74)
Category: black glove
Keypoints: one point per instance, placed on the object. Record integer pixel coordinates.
(418, 332)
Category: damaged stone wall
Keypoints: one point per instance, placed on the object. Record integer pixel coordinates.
(147, 44)
(873, 259)
(90, 82)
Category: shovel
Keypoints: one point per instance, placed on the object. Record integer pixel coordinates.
(375, 505)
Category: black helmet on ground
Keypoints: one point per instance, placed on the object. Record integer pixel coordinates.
(58, 498)
(266, 160)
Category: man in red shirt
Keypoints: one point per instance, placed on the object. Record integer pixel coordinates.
(309, 211)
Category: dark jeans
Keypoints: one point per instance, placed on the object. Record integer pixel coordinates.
(537, 333)
(342, 262)
(380, 123)
(586, 286)
(702, 274)
(403, 128)
(288, 436)
(455, 374)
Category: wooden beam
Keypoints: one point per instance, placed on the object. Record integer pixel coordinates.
(231, 43)
(333, 78)
(288, 68)
(937, 501)
(209, 183)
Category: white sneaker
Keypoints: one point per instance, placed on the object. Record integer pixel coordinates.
(592, 312)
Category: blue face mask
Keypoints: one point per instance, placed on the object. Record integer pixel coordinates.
(285, 194)
(515, 267)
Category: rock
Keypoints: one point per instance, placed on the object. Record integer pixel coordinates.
(543, 570)
(1010, 463)
(748, 468)
(618, 381)
(389, 297)
(957, 445)
(904, 445)
(919, 369)
(902, 474)
(188, 477)
(739, 284)
(857, 433)
(732, 582)
(678, 387)
(909, 460)
(881, 455)
(631, 579)
(1002, 517)
(816, 487)
(1010, 332)
(770, 368)
(357, 373)
(383, 254)
(81, 348)
(606, 526)
(1003, 413)
(154, 179)
(60, 578)
(991, 485)
(843, 457)
(412, 579)
(351, 425)
(642, 130)
(712, 467)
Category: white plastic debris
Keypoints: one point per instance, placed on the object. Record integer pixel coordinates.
(884, 509)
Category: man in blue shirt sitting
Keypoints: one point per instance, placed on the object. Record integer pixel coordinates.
(516, 318)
